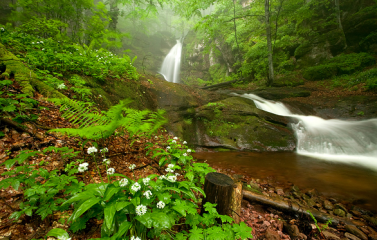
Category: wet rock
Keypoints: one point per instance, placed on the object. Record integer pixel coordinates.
(310, 202)
(292, 230)
(280, 191)
(357, 232)
(371, 230)
(330, 236)
(328, 205)
(349, 215)
(356, 213)
(372, 236)
(372, 220)
(340, 206)
(272, 235)
(350, 236)
(312, 193)
(295, 188)
(296, 195)
(254, 186)
(305, 197)
(237, 177)
(339, 212)
(359, 223)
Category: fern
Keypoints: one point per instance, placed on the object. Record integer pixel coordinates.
(95, 125)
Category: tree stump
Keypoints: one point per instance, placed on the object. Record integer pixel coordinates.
(236, 201)
(218, 188)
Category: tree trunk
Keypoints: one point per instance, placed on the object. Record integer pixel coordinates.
(337, 8)
(218, 188)
(270, 79)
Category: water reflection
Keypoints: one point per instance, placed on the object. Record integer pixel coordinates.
(331, 178)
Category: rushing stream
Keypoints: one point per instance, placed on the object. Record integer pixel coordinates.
(172, 64)
(353, 142)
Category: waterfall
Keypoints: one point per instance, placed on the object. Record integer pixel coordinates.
(172, 63)
(337, 140)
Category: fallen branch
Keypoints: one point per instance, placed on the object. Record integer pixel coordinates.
(291, 207)
(19, 127)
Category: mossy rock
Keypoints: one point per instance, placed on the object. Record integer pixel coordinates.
(26, 77)
(303, 49)
(320, 72)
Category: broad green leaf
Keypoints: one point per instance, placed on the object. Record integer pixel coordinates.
(83, 208)
(109, 215)
(110, 192)
(145, 219)
(58, 233)
(79, 197)
(199, 190)
(120, 205)
(123, 229)
(161, 220)
(9, 108)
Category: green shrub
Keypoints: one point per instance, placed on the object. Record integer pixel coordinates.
(339, 65)
(350, 63)
(369, 40)
(320, 72)
(303, 49)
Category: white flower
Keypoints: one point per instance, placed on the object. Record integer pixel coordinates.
(146, 181)
(141, 210)
(104, 149)
(135, 238)
(61, 86)
(185, 154)
(123, 182)
(168, 147)
(172, 178)
(155, 137)
(43, 49)
(177, 174)
(100, 96)
(110, 171)
(32, 43)
(2, 29)
(76, 49)
(160, 205)
(148, 194)
(170, 165)
(169, 170)
(174, 141)
(106, 161)
(184, 142)
(41, 41)
(37, 42)
(188, 150)
(175, 138)
(132, 167)
(83, 167)
(162, 177)
(92, 150)
(136, 187)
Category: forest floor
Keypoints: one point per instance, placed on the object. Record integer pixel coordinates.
(266, 222)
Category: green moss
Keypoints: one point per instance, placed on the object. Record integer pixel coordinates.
(341, 64)
(303, 49)
(368, 41)
(217, 72)
(26, 77)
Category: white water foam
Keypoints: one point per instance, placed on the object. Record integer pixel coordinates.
(172, 64)
(353, 142)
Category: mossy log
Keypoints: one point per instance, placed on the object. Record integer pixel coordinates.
(292, 207)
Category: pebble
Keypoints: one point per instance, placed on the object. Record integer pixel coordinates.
(350, 236)
(357, 232)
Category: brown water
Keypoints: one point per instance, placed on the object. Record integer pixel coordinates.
(353, 183)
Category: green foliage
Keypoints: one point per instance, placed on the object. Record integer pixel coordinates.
(320, 229)
(368, 41)
(342, 64)
(94, 125)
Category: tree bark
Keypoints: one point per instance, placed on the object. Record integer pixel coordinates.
(270, 79)
(337, 8)
(218, 188)
(236, 202)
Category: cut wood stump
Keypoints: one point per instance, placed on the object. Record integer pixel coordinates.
(221, 189)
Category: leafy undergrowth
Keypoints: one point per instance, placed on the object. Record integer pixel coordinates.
(110, 178)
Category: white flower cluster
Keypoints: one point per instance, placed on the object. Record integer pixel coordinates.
(160, 205)
(188, 150)
(167, 148)
(106, 161)
(184, 142)
(136, 187)
(173, 141)
(162, 177)
(132, 167)
(175, 138)
(135, 238)
(83, 167)
(185, 154)
(141, 210)
(110, 171)
(155, 137)
(104, 150)
(172, 178)
(169, 169)
(123, 182)
(92, 150)
(41, 41)
(148, 194)
(61, 86)
(2, 29)
(146, 181)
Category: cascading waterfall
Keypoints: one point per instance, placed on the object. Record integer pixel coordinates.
(338, 140)
(172, 64)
